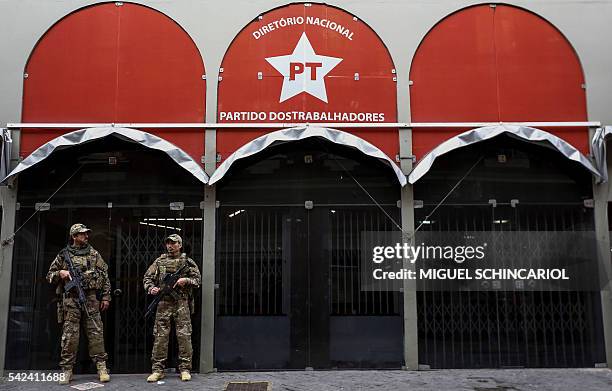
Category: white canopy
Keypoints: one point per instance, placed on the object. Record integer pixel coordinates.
(598, 148)
(473, 136)
(301, 133)
(132, 135)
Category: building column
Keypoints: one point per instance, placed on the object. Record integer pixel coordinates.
(601, 194)
(207, 332)
(600, 197)
(9, 206)
(411, 333)
(8, 197)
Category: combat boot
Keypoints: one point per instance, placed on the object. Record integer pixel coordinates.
(65, 376)
(103, 372)
(185, 375)
(155, 376)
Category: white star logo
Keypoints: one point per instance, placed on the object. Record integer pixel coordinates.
(303, 71)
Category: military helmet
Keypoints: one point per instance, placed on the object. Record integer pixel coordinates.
(78, 228)
(174, 238)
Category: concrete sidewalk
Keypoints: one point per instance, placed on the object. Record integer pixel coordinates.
(473, 380)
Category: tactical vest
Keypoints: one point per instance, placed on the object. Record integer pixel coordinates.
(86, 263)
(167, 265)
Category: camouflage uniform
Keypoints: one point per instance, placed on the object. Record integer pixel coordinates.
(95, 276)
(178, 308)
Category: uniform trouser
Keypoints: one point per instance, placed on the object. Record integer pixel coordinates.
(73, 315)
(169, 309)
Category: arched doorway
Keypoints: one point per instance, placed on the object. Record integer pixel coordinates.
(124, 62)
(288, 232)
(132, 198)
(514, 190)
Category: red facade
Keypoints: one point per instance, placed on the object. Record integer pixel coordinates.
(250, 83)
(490, 64)
(302, 63)
(108, 64)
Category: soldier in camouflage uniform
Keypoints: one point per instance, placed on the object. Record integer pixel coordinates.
(95, 282)
(177, 306)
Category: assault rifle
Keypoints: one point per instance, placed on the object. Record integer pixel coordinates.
(76, 282)
(167, 288)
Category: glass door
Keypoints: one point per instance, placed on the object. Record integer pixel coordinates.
(131, 198)
(287, 262)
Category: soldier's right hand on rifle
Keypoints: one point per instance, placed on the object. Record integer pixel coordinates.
(153, 291)
(65, 275)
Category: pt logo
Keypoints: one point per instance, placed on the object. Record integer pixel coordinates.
(296, 68)
(303, 71)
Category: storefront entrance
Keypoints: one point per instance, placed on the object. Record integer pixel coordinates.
(530, 203)
(288, 242)
(128, 210)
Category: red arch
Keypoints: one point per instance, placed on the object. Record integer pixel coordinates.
(250, 83)
(109, 63)
(499, 63)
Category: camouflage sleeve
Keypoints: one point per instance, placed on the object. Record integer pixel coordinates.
(193, 274)
(149, 280)
(106, 286)
(53, 274)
